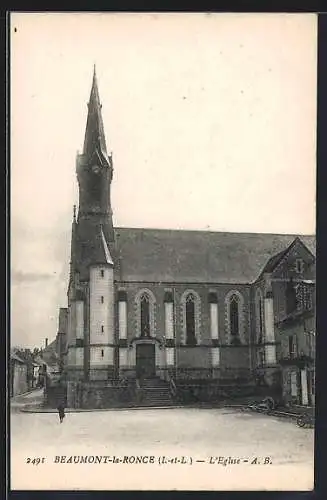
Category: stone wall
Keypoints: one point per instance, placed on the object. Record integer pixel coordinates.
(97, 395)
(55, 395)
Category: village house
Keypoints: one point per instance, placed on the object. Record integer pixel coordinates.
(18, 375)
(296, 326)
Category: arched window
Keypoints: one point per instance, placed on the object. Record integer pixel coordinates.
(234, 304)
(190, 319)
(233, 316)
(145, 315)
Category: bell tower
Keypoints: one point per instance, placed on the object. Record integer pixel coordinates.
(95, 170)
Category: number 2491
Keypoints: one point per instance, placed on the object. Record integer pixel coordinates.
(35, 461)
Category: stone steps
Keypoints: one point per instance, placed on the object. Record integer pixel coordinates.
(155, 392)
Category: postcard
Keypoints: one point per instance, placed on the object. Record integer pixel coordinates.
(163, 171)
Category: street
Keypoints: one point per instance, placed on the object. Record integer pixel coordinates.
(279, 454)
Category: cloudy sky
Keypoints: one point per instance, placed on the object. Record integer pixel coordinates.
(211, 120)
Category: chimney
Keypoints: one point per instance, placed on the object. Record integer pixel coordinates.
(46, 343)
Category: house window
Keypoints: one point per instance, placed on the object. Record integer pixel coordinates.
(102, 328)
(292, 346)
(299, 266)
(261, 357)
(102, 353)
(190, 319)
(145, 315)
(102, 299)
(310, 343)
(102, 273)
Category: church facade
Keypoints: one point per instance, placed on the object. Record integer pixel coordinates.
(159, 303)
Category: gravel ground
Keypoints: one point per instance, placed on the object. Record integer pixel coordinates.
(213, 436)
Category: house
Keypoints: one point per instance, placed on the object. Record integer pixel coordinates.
(48, 360)
(297, 332)
(195, 306)
(18, 375)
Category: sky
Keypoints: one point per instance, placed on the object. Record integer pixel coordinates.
(211, 119)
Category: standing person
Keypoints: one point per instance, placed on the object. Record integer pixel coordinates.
(61, 411)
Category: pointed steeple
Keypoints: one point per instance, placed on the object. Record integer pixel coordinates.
(95, 142)
(94, 168)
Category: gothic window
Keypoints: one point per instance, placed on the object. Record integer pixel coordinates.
(190, 319)
(145, 315)
(234, 303)
(145, 311)
(233, 316)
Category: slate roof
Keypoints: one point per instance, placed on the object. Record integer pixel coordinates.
(94, 134)
(181, 256)
(90, 246)
(274, 261)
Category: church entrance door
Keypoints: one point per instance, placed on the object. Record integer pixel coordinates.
(145, 361)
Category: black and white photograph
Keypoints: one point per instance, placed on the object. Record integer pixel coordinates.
(163, 251)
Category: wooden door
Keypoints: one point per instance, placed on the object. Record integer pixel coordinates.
(145, 361)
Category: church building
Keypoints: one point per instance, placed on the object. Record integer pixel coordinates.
(162, 303)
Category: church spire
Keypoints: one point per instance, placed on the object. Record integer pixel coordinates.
(94, 170)
(95, 142)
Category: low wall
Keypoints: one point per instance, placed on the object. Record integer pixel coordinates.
(55, 395)
(92, 395)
